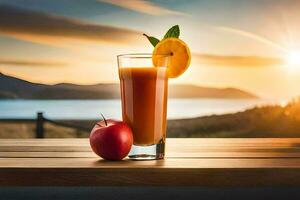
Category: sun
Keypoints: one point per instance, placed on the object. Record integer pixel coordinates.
(293, 58)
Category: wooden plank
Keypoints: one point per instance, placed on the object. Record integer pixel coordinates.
(184, 163)
(187, 148)
(45, 154)
(45, 148)
(251, 142)
(203, 154)
(189, 162)
(44, 142)
(214, 177)
(172, 144)
(169, 172)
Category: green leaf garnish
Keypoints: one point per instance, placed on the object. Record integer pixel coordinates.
(152, 40)
(173, 32)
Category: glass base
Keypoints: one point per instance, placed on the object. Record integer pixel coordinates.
(151, 152)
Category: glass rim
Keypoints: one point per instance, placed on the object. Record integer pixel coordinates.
(141, 55)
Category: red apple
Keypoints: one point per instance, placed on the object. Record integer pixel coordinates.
(111, 139)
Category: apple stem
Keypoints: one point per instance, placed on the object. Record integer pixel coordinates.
(104, 119)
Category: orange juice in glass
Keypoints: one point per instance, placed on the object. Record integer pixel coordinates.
(144, 92)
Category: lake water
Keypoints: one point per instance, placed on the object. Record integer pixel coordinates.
(91, 109)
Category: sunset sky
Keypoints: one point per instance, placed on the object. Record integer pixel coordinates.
(252, 45)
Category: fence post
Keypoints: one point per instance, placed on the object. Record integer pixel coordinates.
(39, 131)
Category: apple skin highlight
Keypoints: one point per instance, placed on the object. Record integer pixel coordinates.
(111, 139)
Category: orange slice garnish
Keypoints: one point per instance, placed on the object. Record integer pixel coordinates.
(179, 59)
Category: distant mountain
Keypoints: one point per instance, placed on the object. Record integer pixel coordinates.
(11, 87)
(192, 91)
(18, 87)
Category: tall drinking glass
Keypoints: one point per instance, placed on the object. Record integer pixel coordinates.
(144, 92)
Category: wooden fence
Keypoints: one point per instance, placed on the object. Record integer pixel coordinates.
(40, 121)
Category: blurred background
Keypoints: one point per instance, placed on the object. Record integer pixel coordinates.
(58, 68)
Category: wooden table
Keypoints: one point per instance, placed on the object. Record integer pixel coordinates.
(188, 162)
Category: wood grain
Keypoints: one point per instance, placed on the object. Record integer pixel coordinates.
(189, 162)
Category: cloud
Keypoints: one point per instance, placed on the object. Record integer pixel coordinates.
(143, 6)
(38, 63)
(52, 29)
(237, 61)
(252, 36)
(207, 59)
